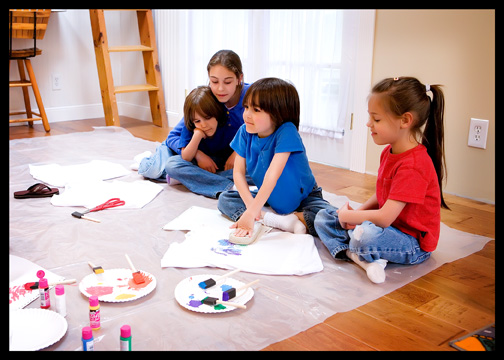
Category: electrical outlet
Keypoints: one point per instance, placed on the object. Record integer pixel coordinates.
(56, 81)
(478, 132)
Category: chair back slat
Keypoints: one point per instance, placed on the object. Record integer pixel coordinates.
(22, 22)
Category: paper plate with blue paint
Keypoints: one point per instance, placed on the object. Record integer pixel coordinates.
(189, 295)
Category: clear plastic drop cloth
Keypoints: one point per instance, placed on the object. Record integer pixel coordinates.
(282, 305)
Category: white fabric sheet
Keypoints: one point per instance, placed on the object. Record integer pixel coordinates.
(275, 253)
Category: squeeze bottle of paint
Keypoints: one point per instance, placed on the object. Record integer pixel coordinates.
(87, 339)
(94, 312)
(125, 338)
(45, 299)
(60, 300)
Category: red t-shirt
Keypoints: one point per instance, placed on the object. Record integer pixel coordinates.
(410, 177)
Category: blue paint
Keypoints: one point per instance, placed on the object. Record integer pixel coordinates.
(226, 287)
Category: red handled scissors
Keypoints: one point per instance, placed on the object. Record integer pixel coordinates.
(107, 204)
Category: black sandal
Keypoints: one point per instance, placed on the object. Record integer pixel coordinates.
(37, 190)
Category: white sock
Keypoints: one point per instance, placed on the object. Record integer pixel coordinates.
(138, 158)
(172, 181)
(375, 270)
(290, 223)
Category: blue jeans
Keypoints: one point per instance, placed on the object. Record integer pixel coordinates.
(167, 162)
(231, 205)
(196, 179)
(154, 167)
(375, 242)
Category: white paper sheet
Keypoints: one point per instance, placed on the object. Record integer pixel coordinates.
(135, 194)
(22, 271)
(59, 175)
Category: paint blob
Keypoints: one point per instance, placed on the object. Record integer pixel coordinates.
(194, 303)
(125, 296)
(134, 286)
(100, 290)
(225, 287)
(226, 248)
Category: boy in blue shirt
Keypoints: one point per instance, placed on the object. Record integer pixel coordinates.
(269, 147)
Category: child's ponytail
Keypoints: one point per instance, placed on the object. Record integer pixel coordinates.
(433, 135)
(407, 94)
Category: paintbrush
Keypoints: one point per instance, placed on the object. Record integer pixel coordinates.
(82, 216)
(98, 270)
(213, 301)
(211, 282)
(231, 293)
(35, 284)
(137, 275)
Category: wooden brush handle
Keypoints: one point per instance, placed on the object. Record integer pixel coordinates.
(130, 263)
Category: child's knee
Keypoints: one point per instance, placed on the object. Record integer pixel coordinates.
(324, 216)
(364, 234)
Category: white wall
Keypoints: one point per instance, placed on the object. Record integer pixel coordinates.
(455, 48)
(67, 50)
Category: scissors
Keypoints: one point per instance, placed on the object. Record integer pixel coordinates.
(107, 204)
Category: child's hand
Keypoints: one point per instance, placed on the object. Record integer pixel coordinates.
(205, 162)
(342, 212)
(199, 133)
(230, 161)
(245, 224)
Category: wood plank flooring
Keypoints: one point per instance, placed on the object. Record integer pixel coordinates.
(451, 301)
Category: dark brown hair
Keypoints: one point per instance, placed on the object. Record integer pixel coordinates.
(407, 94)
(202, 100)
(277, 97)
(231, 61)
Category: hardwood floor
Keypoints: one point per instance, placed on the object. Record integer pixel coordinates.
(451, 301)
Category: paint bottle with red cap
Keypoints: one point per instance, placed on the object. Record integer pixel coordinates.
(94, 313)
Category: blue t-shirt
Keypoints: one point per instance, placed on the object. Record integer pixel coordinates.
(178, 138)
(296, 181)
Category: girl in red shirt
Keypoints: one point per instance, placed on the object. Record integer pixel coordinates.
(400, 222)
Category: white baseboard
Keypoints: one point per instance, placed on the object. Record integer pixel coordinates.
(92, 111)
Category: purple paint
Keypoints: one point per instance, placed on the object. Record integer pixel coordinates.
(195, 303)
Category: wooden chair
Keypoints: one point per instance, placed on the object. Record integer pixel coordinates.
(28, 24)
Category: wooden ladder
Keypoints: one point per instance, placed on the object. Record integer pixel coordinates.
(148, 48)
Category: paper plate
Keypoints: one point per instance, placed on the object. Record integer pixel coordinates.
(189, 295)
(116, 285)
(35, 329)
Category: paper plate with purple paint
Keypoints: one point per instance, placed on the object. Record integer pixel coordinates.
(116, 285)
(190, 296)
